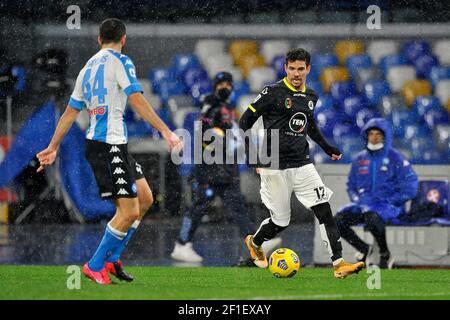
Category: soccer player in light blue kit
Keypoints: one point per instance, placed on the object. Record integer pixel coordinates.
(103, 86)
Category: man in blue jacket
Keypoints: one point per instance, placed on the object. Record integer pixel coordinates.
(381, 180)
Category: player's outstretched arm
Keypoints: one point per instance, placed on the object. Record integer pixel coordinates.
(47, 156)
(146, 111)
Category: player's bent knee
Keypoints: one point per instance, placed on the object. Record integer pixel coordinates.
(133, 215)
(281, 223)
(322, 212)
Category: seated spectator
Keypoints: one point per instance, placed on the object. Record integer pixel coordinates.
(381, 180)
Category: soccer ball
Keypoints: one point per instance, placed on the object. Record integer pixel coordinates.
(284, 263)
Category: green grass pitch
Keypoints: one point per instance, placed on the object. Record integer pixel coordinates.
(170, 283)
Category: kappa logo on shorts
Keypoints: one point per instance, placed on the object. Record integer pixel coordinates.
(121, 181)
(122, 192)
(116, 160)
(118, 171)
(114, 149)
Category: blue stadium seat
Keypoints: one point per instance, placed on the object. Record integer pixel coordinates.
(419, 147)
(350, 148)
(340, 90)
(399, 119)
(316, 85)
(435, 117)
(424, 64)
(193, 75)
(416, 132)
(182, 62)
(345, 131)
(164, 114)
(200, 89)
(240, 88)
(391, 103)
(325, 102)
(391, 61)
(358, 61)
(352, 105)
(320, 61)
(374, 90)
(170, 87)
(438, 73)
(424, 104)
(365, 114)
(156, 76)
(326, 121)
(365, 74)
(278, 65)
(412, 50)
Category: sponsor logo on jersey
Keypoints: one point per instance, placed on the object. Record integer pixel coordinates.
(298, 122)
(299, 95)
(114, 149)
(122, 192)
(364, 162)
(97, 111)
(121, 181)
(118, 171)
(311, 105)
(116, 160)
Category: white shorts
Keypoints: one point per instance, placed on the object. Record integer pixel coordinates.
(278, 185)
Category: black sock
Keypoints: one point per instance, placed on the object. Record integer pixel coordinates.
(329, 231)
(268, 230)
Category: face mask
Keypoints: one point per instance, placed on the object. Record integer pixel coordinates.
(223, 94)
(375, 147)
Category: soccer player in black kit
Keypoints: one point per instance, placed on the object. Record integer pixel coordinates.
(288, 106)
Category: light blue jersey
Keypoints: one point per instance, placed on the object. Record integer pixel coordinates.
(103, 87)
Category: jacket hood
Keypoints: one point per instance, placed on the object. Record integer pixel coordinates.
(380, 124)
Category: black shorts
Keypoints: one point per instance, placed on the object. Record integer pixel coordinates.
(114, 169)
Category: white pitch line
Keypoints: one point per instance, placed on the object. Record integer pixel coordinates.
(337, 296)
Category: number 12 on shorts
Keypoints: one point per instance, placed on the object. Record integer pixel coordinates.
(320, 191)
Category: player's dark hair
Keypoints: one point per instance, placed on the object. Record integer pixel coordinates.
(298, 54)
(112, 30)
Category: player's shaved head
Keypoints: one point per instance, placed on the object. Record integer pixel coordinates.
(111, 30)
